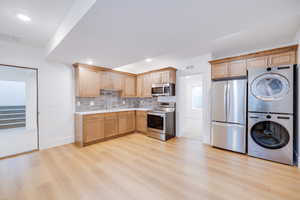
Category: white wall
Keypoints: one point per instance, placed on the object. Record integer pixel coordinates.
(192, 66)
(55, 92)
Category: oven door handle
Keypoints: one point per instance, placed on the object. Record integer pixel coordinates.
(157, 114)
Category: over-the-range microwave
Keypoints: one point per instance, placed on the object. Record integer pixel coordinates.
(164, 89)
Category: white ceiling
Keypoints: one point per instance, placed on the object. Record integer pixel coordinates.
(46, 15)
(116, 33)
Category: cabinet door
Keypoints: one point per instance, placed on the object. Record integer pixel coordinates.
(106, 80)
(258, 62)
(165, 76)
(237, 68)
(141, 121)
(110, 125)
(147, 85)
(172, 76)
(87, 82)
(93, 129)
(130, 86)
(282, 58)
(118, 81)
(156, 77)
(123, 122)
(139, 85)
(131, 121)
(219, 71)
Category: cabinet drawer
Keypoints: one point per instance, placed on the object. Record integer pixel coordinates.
(111, 115)
(93, 116)
(142, 113)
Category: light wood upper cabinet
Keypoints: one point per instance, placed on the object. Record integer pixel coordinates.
(141, 121)
(156, 77)
(118, 81)
(145, 81)
(87, 82)
(237, 68)
(257, 62)
(219, 70)
(285, 58)
(130, 87)
(238, 65)
(282, 58)
(93, 128)
(106, 80)
(147, 85)
(110, 124)
(168, 76)
(139, 85)
(91, 79)
(144, 85)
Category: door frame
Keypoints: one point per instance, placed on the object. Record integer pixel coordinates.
(206, 139)
(37, 108)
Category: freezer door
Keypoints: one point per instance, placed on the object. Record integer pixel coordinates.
(219, 101)
(236, 101)
(229, 136)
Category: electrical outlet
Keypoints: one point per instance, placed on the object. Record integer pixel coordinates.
(92, 103)
(123, 102)
(78, 103)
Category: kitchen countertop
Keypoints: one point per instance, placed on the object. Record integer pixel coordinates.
(111, 110)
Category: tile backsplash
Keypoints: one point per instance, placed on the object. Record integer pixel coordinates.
(111, 100)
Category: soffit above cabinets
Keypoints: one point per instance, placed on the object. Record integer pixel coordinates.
(117, 33)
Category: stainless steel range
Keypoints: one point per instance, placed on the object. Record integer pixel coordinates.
(161, 121)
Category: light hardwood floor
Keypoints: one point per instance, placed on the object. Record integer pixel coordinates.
(138, 167)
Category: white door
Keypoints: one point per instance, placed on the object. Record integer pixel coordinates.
(18, 110)
(193, 118)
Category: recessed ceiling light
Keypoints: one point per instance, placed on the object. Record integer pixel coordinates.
(23, 17)
(148, 60)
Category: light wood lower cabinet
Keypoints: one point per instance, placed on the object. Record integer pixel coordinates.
(141, 121)
(110, 124)
(94, 128)
(126, 122)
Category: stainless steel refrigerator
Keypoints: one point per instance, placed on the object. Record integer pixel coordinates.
(229, 114)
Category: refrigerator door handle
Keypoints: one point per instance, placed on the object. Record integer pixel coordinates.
(226, 101)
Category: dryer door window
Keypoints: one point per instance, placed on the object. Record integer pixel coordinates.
(270, 135)
(270, 87)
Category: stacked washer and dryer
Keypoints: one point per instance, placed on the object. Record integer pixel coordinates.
(271, 113)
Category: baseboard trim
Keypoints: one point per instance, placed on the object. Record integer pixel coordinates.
(18, 154)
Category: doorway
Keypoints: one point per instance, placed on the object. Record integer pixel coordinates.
(18, 110)
(194, 107)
